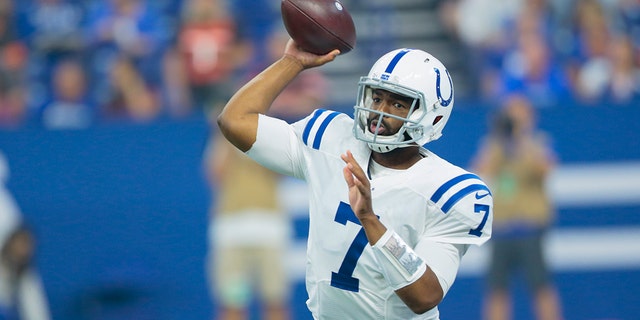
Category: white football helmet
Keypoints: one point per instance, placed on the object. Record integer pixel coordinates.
(415, 74)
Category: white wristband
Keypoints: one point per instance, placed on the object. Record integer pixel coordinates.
(400, 264)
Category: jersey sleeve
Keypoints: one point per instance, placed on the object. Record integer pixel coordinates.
(466, 204)
(277, 147)
(443, 259)
(325, 130)
(282, 147)
(465, 207)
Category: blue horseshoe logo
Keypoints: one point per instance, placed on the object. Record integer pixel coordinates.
(443, 102)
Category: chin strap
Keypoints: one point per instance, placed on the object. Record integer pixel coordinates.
(384, 148)
(381, 148)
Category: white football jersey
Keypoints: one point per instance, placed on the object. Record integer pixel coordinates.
(437, 208)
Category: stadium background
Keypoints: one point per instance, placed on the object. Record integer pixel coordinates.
(119, 208)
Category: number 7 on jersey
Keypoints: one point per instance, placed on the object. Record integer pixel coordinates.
(343, 279)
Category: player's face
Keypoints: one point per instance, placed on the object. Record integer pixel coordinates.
(390, 103)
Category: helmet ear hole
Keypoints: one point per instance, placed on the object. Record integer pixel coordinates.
(436, 120)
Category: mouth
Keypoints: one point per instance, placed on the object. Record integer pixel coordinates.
(374, 128)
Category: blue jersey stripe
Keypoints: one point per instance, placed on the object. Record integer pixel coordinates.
(323, 127)
(307, 128)
(395, 60)
(447, 185)
(461, 194)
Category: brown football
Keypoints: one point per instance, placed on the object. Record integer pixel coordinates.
(319, 26)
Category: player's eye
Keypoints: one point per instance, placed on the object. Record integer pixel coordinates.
(401, 105)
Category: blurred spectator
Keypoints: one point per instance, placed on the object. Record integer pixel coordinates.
(590, 67)
(626, 20)
(208, 42)
(13, 60)
(482, 26)
(510, 46)
(22, 295)
(129, 97)
(56, 27)
(515, 160)
(249, 234)
(254, 20)
(612, 79)
(531, 69)
(176, 91)
(53, 30)
(69, 108)
(624, 84)
(605, 62)
(129, 28)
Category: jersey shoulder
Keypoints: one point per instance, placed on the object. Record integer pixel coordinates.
(451, 184)
(462, 197)
(438, 179)
(325, 129)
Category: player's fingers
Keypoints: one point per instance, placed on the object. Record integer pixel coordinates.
(358, 172)
(312, 60)
(351, 162)
(357, 175)
(329, 56)
(363, 186)
(344, 157)
(348, 176)
(347, 157)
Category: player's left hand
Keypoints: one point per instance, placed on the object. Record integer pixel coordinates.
(359, 187)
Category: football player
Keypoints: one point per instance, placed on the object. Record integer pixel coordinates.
(389, 220)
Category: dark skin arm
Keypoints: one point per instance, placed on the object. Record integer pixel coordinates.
(238, 121)
(425, 293)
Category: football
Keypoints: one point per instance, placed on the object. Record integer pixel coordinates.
(319, 26)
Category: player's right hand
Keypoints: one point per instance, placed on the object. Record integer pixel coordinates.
(359, 187)
(307, 59)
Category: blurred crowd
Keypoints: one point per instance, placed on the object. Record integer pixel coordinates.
(70, 64)
(553, 52)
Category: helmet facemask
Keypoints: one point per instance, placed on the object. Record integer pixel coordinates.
(411, 131)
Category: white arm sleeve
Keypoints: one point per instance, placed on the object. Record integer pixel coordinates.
(443, 259)
(277, 147)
